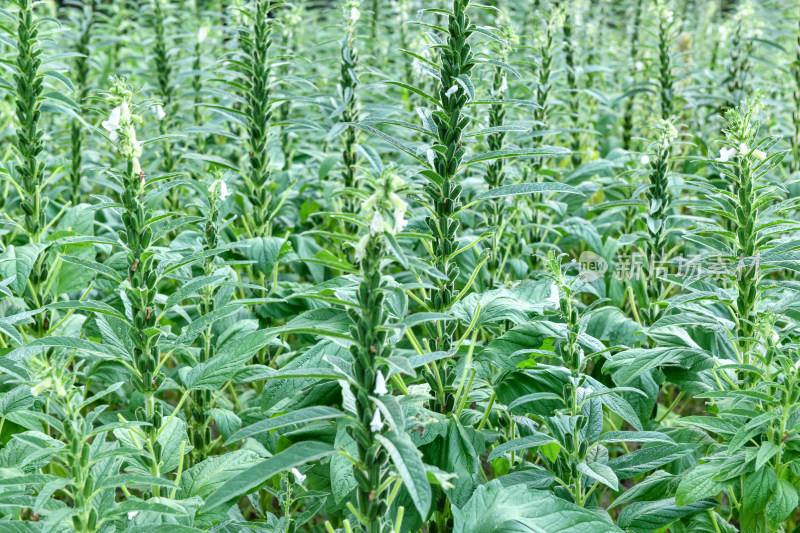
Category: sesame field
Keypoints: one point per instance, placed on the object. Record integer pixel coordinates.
(399, 266)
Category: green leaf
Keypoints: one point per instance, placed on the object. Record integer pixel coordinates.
(62, 99)
(635, 436)
(212, 160)
(391, 140)
(226, 421)
(69, 343)
(784, 502)
(647, 459)
(256, 476)
(406, 459)
(698, 484)
(600, 472)
(134, 480)
(90, 306)
(210, 474)
(103, 270)
(516, 509)
(193, 330)
(535, 397)
(214, 373)
(191, 287)
(755, 426)
(162, 507)
(759, 486)
(646, 517)
(528, 188)
(301, 416)
(265, 251)
(635, 362)
(523, 443)
(19, 398)
(766, 451)
(693, 320)
(19, 263)
(521, 152)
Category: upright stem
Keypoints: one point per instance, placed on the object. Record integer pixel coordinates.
(573, 101)
(348, 85)
(456, 65)
(82, 86)
(28, 141)
(665, 77)
(630, 102)
(256, 45)
(795, 138)
(494, 170)
(370, 346)
(163, 68)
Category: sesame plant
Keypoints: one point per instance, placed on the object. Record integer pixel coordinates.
(399, 266)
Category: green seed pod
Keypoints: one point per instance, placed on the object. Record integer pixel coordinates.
(91, 523)
(88, 486)
(85, 454)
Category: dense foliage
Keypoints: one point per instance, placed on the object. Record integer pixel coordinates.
(399, 266)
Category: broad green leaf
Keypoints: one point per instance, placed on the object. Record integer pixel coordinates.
(189, 288)
(301, 416)
(256, 476)
(265, 251)
(523, 443)
(516, 509)
(783, 503)
(759, 487)
(208, 475)
(19, 262)
(646, 517)
(649, 458)
(699, 484)
(599, 472)
(635, 436)
(408, 463)
(67, 343)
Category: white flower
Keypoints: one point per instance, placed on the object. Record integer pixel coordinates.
(132, 515)
(159, 111)
(376, 226)
(298, 477)
(112, 124)
(202, 33)
(400, 221)
(376, 424)
(644, 159)
(380, 384)
(222, 187)
(726, 154)
(504, 85)
(744, 150)
(451, 91)
(639, 66)
(361, 247)
(670, 133)
(355, 14)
